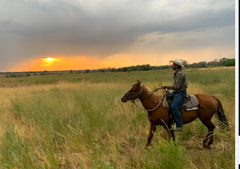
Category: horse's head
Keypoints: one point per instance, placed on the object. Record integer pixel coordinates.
(133, 93)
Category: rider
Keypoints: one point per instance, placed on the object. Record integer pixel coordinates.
(179, 91)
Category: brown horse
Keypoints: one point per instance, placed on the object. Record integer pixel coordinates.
(159, 115)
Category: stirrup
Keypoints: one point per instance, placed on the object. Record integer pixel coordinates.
(174, 127)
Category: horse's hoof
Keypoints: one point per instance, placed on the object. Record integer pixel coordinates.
(147, 148)
(208, 141)
(206, 146)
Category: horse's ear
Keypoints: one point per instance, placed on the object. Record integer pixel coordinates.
(138, 81)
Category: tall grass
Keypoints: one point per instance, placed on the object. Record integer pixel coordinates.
(83, 124)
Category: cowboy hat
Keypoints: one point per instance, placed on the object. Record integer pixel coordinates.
(178, 62)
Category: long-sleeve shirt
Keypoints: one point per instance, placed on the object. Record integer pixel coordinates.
(180, 82)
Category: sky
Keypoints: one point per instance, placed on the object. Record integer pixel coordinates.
(37, 35)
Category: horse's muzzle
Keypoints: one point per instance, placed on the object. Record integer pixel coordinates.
(123, 100)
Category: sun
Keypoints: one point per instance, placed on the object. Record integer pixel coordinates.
(46, 62)
(50, 59)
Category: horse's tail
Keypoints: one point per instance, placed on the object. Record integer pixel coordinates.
(221, 115)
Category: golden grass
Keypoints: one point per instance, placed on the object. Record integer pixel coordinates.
(123, 145)
(213, 68)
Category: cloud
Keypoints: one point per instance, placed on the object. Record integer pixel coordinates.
(36, 28)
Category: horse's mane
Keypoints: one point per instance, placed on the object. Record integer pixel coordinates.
(154, 97)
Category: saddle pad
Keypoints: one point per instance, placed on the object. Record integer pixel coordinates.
(193, 103)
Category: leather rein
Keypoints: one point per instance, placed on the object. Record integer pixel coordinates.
(138, 94)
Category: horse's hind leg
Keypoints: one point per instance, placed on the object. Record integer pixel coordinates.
(208, 140)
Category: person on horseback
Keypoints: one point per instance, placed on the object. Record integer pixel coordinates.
(179, 88)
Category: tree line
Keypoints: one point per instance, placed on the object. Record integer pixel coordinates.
(145, 67)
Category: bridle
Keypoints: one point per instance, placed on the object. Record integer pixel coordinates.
(141, 99)
(132, 96)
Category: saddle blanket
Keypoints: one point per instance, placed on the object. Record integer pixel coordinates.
(192, 104)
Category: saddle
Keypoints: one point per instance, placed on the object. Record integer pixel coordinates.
(189, 103)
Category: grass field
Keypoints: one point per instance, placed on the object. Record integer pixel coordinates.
(78, 121)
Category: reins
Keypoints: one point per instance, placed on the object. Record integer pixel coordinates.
(147, 97)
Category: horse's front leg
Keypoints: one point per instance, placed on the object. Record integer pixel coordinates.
(151, 133)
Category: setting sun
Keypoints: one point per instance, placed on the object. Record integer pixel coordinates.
(50, 59)
(46, 62)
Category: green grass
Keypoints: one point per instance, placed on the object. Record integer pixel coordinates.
(78, 121)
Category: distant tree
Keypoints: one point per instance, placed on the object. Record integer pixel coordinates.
(203, 64)
(43, 73)
(229, 62)
(124, 69)
(133, 68)
(119, 69)
(198, 65)
(185, 63)
(164, 67)
(222, 60)
(214, 63)
(13, 75)
(87, 71)
(145, 67)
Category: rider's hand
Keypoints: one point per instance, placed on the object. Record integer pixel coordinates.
(163, 87)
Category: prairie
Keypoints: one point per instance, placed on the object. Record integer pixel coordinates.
(78, 121)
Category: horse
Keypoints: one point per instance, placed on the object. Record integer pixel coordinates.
(160, 115)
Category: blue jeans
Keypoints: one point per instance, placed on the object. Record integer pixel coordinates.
(177, 100)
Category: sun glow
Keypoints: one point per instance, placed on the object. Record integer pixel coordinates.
(46, 62)
(49, 59)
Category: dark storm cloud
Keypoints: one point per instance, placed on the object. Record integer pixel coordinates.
(34, 28)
